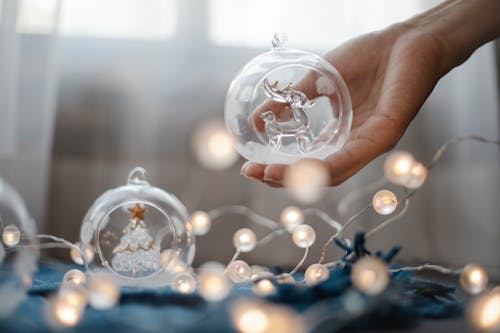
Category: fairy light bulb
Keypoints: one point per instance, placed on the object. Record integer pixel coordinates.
(384, 202)
(285, 278)
(306, 180)
(417, 176)
(397, 166)
(65, 314)
(304, 236)
(11, 235)
(201, 223)
(264, 287)
(244, 240)
(484, 312)
(184, 283)
(76, 255)
(250, 318)
(238, 271)
(74, 276)
(291, 217)
(74, 295)
(104, 292)
(214, 146)
(473, 279)
(370, 275)
(213, 285)
(316, 274)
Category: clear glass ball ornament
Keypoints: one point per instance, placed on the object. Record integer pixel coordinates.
(138, 232)
(19, 249)
(288, 104)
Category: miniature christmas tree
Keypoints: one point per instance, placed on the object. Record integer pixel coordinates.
(137, 252)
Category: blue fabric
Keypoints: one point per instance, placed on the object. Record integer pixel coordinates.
(406, 301)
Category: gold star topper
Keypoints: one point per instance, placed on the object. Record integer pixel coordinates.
(137, 212)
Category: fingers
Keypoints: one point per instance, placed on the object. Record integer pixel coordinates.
(271, 174)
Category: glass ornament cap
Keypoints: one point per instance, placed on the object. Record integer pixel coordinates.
(288, 104)
(138, 232)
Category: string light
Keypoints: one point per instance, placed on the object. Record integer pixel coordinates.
(213, 284)
(250, 318)
(304, 236)
(184, 283)
(238, 271)
(201, 223)
(76, 254)
(473, 279)
(484, 312)
(370, 275)
(244, 240)
(306, 180)
(316, 274)
(264, 287)
(214, 146)
(285, 278)
(11, 235)
(397, 167)
(103, 291)
(64, 314)
(384, 202)
(74, 276)
(291, 217)
(416, 176)
(74, 295)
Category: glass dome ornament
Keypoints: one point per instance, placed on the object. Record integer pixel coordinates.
(138, 232)
(19, 249)
(288, 104)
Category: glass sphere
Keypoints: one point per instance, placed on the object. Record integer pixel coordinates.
(291, 217)
(244, 240)
(370, 275)
(397, 167)
(18, 249)
(213, 285)
(74, 276)
(288, 104)
(474, 279)
(384, 202)
(184, 283)
(304, 236)
(316, 273)
(238, 271)
(130, 229)
(103, 290)
(201, 223)
(417, 176)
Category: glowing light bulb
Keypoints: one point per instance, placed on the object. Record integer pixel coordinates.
(213, 284)
(484, 312)
(74, 295)
(417, 176)
(306, 180)
(291, 217)
(384, 202)
(250, 318)
(201, 223)
(11, 235)
(214, 146)
(304, 236)
(74, 276)
(184, 283)
(473, 279)
(285, 278)
(244, 240)
(264, 287)
(65, 314)
(370, 275)
(103, 291)
(238, 271)
(397, 167)
(316, 274)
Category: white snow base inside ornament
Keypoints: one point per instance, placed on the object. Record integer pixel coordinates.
(137, 252)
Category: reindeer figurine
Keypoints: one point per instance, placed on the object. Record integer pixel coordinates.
(298, 126)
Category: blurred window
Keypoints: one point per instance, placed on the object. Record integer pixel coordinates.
(126, 19)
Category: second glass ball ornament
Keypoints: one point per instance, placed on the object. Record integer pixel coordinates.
(139, 232)
(288, 104)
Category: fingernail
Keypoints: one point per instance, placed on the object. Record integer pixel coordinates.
(244, 168)
(268, 176)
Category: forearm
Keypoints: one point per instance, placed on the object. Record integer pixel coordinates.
(462, 26)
